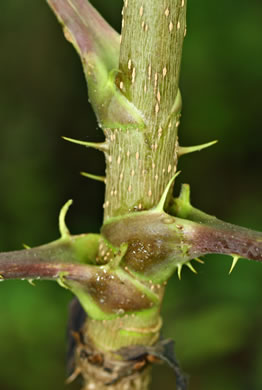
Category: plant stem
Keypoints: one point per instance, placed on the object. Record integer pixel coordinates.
(120, 275)
(141, 161)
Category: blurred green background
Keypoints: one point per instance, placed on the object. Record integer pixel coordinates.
(215, 319)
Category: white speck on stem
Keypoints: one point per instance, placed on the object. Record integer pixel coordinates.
(133, 75)
(149, 72)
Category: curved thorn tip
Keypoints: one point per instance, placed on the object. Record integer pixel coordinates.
(62, 225)
(234, 262)
(161, 204)
(61, 280)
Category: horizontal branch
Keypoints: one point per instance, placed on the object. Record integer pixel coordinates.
(211, 235)
(68, 255)
(224, 238)
(103, 290)
(159, 243)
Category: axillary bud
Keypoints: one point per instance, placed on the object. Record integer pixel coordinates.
(157, 243)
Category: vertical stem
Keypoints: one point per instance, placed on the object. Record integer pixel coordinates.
(138, 107)
(141, 161)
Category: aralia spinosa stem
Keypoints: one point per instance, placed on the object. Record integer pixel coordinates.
(119, 275)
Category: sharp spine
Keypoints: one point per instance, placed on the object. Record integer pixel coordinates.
(62, 225)
(190, 266)
(179, 269)
(161, 204)
(199, 260)
(234, 262)
(190, 149)
(94, 177)
(102, 146)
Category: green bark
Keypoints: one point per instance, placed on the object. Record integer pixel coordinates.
(141, 160)
(142, 155)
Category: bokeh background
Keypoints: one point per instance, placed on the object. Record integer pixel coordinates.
(215, 319)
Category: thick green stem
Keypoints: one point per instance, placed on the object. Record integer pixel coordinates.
(141, 160)
(142, 156)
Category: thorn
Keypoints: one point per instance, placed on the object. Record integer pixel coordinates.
(61, 280)
(234, 262)
(102, 146)
(62, 225)
(161, 204)
(179, 269)
(185, 193)
(190, 149)
(199, 260)
(73, 376)
(94, 177)
(26, 246)
(30, 281)
(190, 266)
(1, 278)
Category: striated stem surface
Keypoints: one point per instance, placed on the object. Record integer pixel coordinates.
(141, 160)
(142, 154)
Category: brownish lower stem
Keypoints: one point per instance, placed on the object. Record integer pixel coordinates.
(107, 371)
